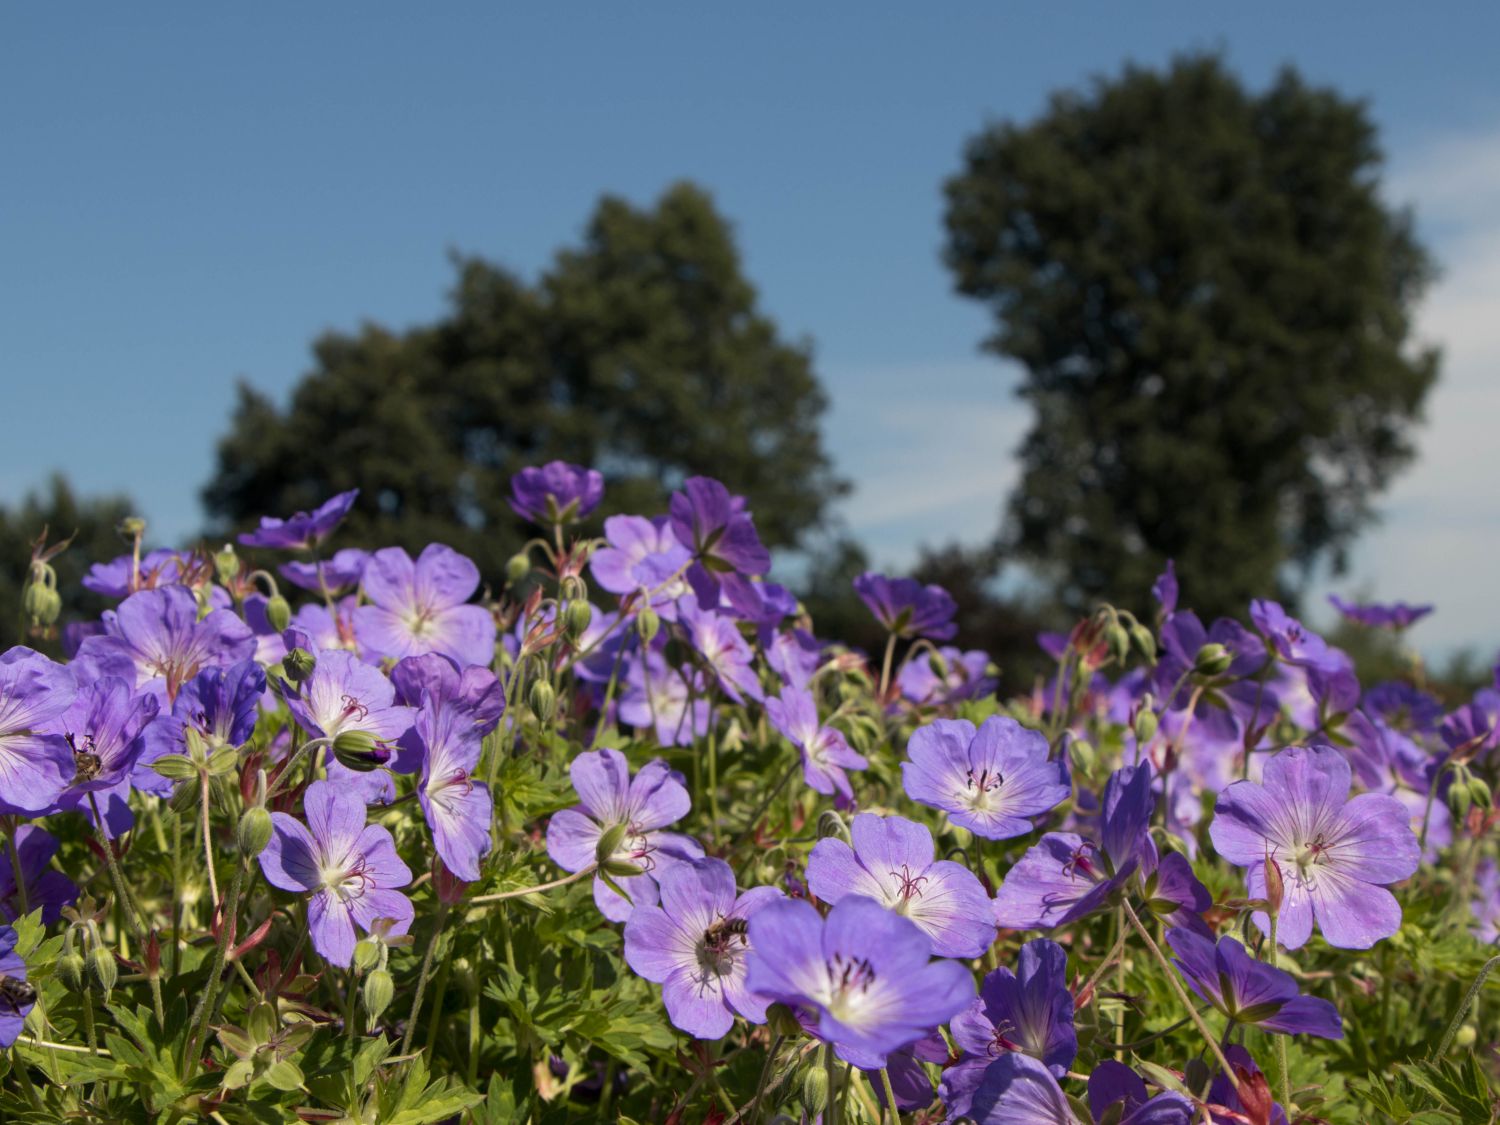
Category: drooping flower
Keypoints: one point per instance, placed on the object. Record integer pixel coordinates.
(349, 868)
(892, 862)
(1486, 903)
(793, 654)
(643, 556)
(419, 607)
(304, 530)
(1394, 615)
(725, 546)
(960, 675)
(907, 608)
(46, 889)
(1030, 1010)
(329, 577)
(457, 807)
(1065, 876)
(159, 632)
(717, 639)
(658, 696)
(864, 974)
(1174, 894)
(695, 946)
(1335, 854)
(1018, 1090)
(1248, 991)
(17, 998)
(35, 762)
(609, 798)
(557, 492)
(991, 781)
(825, 753)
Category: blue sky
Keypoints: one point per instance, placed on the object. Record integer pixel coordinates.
(191, 193)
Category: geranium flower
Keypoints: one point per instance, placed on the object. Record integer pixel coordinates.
(825, 753)
(907, 608)
(643, 556)
(420, 607)
(892, 862)
(46, 889)
(724, 543)
(333, 576)
(35, 761)
(350, 869)
(658, 696)
(1019, 1090)
(1335, 854)
(1249, 991)
(962, 677)
(1395, 615)
(304, 530)
(717, 639)
(556, 493)
(990, 781)
(15, 1007)
(1224, 1094)
(457, 807)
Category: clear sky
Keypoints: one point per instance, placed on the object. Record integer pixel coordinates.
(190, 193)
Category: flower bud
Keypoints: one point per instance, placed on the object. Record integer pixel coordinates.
(378, 993)
(517, 567)
(814, 1089)
(40, 601)
(1464, 1039)
(1459, 800)
(254, 832)
(1084, 756)
(1213, 659)
(298, 665)
(1118, 641)
(831, 825)
(621, 868)
(609, 843)
(366, 955)
(175, 767)
(70, 971)
(227, 564)
(130, 527)
(360, 751)
(937, 664)
(278, 612)
(543, 700)
(1275, 887)
(1146, 724)
(782, 1020)
(102, 970)
(184, 800)
(576, 618)
(1479, 790)
(648, 624)
(1144, 640)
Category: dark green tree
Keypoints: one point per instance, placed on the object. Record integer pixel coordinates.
(641, 352)
(60, 513)
(1212, 310)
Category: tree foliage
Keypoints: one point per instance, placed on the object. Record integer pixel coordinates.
(642, 352)
(1212, 308)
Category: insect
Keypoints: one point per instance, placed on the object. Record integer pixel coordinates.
(721, 935)
(15, 994)
(86, 763)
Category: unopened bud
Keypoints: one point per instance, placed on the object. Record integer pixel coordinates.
(1144, 640)
(102, 970)
(517, 567)
(175, 767)
(814, 1089)
(1118, 641)
(648, 624)
(70, 971)
(1459, 800)
(184, 800)
(543, 700)
(1084, 756)
(40, 600)
(609, 843)
(1213, 659)
(832, 826)
(254, 832)
(227, 564)
(131, 526)
(379, 991)
(366, 955)
(1479, 789)
(278, 612)
(1275, 887)
(938, 664)
(782, 1020)
(298, 665)
(1146, 723)
(576, 618)
(359, 750)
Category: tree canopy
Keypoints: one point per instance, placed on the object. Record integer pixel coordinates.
(641, 352)
(1212, 307)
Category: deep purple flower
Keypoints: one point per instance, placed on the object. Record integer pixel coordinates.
(103, 728)
(303, 530)
(825, 753)
(722, 538)
(1292, 641)
(1474, 728)
(643, 556)
(717, 639)
(122, 576)
(906, 607)
(457, 807)
(608, 798)
(350, 869)
(1112, 1083)
(329, 577)
(960, 675)
(46, 889)
(1334, 853)
(1394, 615)
(1018, 1090)
(12, 1015)
(991, 781)
(1248, 991)
(892, 862)
(1064, 876)
(1174, 894)
(159, 632)
(909, 1081)
(221, 704)
(420, 607)
(1224, 1094)
(658, 696)
(1029, 1011)
(556, 493)
(864, 972)
(35, 762)
(695, 946)
(434, 679)
(1403, 706)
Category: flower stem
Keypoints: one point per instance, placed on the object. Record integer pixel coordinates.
(127, 905)
(1281, 1044)
(484, 900)
(426, 971)
(890, 1098)
(208, 843)
(1463, 1009)
(204, 1011)
(831, 1113)
(885, 667)
(14, 823)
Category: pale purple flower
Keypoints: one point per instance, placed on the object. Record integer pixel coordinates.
(717, 639)
(608, 797)
(46, 890)
(344, 695)
(420, 607)
(658, 696)
(864, 973)
(1394, 615)
(960, 675)
(351, 870)
(892, 861)
(724, 543)
(457, 807)
(695, 946)
(35, 762)
(825, 753)
(303, 530)
(991, 781)
(1249, 991)
(122, 576)
(907, 608)
(327, 630)
(12, 1015)
(557, 492)
(794, 655)
(1030, 1010)
(643, 556)
(159, 632)
(330, 577)
(1335, 854)
(1486, 904)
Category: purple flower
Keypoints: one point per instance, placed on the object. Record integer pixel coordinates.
(1174, 894)
(46, 889)
(432, 679)
(1486, 906)
(1223, 1094)
(220, 703)
(303, 530)
(420, 607)
(794, 655)
(695, 945)
(643, 555)
(556, 493)
(864, 973)
(1065, 877)
(1395, 615)
(103, 728)
(960, 675)
(1334, 853)
(1112, 1083)
(725, 546)
(1249, 991)
(825, 753)
(1292, 641)
(609, 798)
(457, 807)
(892, 862)
(991, 781)
(159, 633)
(350, 869)
(12, 968)
(906, 607)
(658, 696)
(1016, 1089)
(1030, 1011)
(121, 576)
(1164, 589)
(35, 762)
(717, 639)
(344, 695)
(329, 577)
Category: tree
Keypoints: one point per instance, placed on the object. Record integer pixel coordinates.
(91, 522)
(641, 352)
(1212, 308)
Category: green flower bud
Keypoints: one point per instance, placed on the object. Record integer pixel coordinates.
(576, 618)
(366, 955)
(814, 1089)
(278, 612)
(517, 568)
(223, 761)
(41, 602)
(543, 700)
(102, 970)
(359, 750)
(1146, 723)
(175, 767)
(648, 624)
(782, 1020)
(130, 527)
(184, 800)
(254, 832)
(70, 971)
(1465, 1037)
(609, 844)
(1459, 800)
(938, 665)
(298, 665)
(1083, 754)
(1479, 789)
(621, 869)
(227, 564)
(1213, 659)
(1118, 641)
(832, 826)
(1144, 640)
(378, 992)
